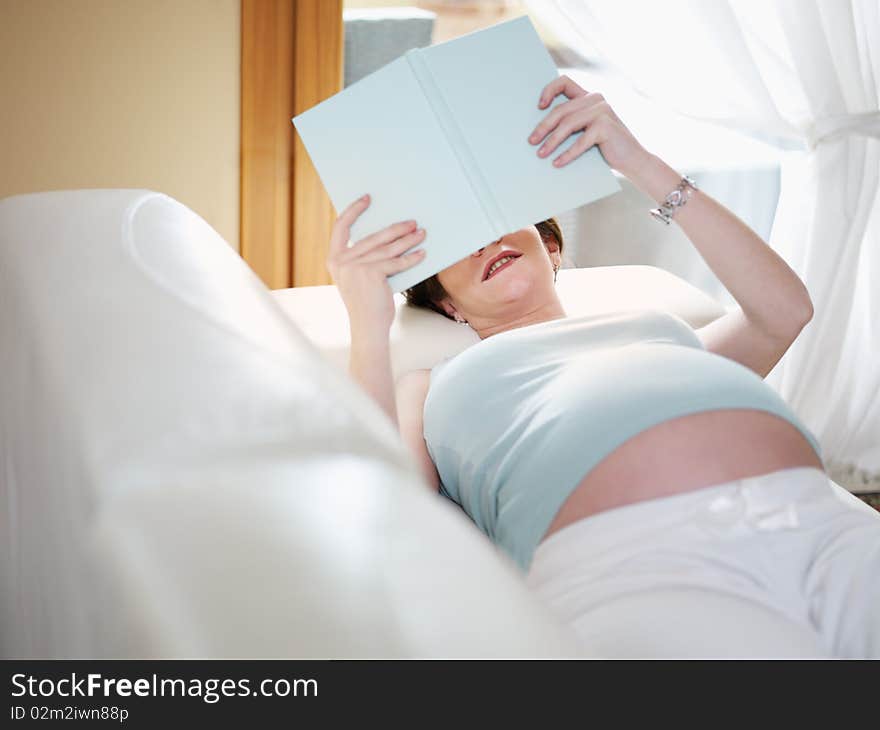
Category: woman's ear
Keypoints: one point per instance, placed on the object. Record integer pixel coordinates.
(554, 253)
(448, 307)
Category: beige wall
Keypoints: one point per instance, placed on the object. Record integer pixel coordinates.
(123, 93)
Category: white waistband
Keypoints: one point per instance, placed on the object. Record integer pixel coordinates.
(766, 501)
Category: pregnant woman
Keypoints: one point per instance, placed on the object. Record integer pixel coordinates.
(656, 493)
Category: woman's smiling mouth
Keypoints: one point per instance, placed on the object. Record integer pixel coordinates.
(502, 263)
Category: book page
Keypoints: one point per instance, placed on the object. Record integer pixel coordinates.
(380, 136)
(491, 81)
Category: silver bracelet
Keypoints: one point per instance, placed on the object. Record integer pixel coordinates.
(674, 200)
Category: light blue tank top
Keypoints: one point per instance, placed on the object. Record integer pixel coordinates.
(515, 421)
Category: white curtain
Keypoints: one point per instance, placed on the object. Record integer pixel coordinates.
(802, 75)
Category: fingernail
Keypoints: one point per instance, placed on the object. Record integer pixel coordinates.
(365, 197)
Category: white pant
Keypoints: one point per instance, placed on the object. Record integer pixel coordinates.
(779, 565)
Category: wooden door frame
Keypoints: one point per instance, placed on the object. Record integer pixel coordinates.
(291, 59)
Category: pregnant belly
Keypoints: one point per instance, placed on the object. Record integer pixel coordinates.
(684, 454)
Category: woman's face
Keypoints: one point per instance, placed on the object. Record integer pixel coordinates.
(521, 285)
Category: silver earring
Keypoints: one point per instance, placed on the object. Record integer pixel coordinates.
(555, 271)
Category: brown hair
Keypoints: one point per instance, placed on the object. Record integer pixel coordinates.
(427, 293)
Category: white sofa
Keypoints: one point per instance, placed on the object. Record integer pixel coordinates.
(186, 470)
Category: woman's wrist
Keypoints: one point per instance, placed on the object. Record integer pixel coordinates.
(653, 177)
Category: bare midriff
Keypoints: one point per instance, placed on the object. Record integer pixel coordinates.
(685, 454)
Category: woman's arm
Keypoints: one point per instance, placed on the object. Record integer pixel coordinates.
(773, 302)
(770, 294)
(360, 273)
(370, 367)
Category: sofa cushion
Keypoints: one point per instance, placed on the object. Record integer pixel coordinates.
(420, 338)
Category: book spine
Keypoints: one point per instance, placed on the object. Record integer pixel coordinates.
(457, 141)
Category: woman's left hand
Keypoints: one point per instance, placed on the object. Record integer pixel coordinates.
(591, 113)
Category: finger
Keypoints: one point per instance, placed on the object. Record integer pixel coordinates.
(395, 248)
(386, 235)
(342, 226)
(546, 125)
(586, 113)
(581, 145)
(399, 263)
(561, 85)
(569, 125)
(351, 213)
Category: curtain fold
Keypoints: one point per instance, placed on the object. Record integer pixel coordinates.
(802, 75)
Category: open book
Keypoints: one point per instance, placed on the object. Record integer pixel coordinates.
(440, 135)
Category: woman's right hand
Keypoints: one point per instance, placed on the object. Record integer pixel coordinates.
(359, 271)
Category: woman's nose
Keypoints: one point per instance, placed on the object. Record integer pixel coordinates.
(480, 251)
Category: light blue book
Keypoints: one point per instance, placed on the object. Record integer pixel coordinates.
(440, 135)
